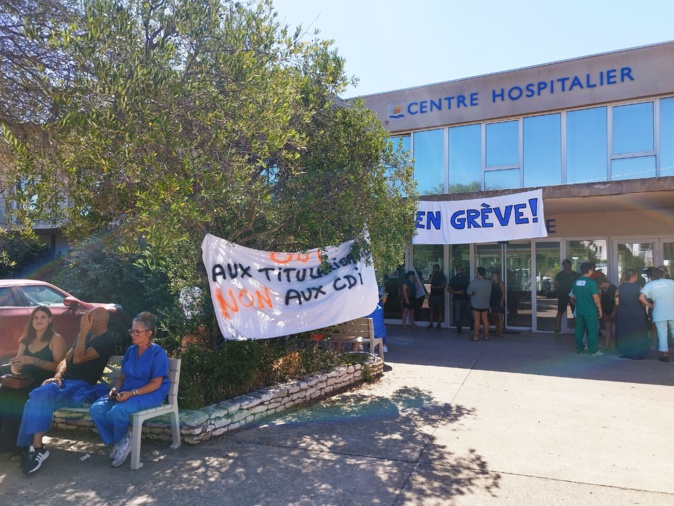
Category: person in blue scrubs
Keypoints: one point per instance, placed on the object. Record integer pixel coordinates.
(142, 384)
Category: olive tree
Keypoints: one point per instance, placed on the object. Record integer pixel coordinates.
(186, 117)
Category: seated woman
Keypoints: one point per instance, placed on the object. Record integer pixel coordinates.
(40, 351)
(142, 384)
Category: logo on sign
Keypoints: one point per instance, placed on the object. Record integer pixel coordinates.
(395, 111)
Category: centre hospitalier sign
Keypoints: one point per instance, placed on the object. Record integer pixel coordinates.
(264, 294)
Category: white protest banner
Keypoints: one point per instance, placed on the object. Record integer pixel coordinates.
(504, 218)
(262, 294)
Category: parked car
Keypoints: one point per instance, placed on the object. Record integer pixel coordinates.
(18, 297)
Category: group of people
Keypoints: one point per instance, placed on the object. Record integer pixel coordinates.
(477, 300)
(68, 378)
(627, 311)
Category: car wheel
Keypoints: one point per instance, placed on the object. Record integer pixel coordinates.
(122, 337)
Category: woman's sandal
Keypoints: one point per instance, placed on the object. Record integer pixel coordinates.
(486, 339)
(474, 340)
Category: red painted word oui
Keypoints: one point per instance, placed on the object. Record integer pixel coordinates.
(284, 258)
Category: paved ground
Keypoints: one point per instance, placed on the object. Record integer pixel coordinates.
(520, 420)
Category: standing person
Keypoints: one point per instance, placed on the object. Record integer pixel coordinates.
(409, 300)
(479, 291)
(563, 284)
(631, 323)
(40, 351)
(661, 292)
(75, 375)
(436, 300)
(585, 295)
(461, 301)
(497, 302)
(142, 384)
(608, 294)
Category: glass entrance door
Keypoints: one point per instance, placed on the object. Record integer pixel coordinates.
(513, 262)
(635, 255)
(518, 282)
(547, 267)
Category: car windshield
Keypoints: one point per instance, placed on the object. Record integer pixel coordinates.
(42, 296)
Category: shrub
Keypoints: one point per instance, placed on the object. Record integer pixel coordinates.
(19, 255)
(211, 375)
(96, 273)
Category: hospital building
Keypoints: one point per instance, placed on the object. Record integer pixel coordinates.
(595, 134)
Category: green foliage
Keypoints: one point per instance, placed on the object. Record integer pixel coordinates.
(156, 122)
(93, 271)
(237, 367)
(19, 253)
(189, 116)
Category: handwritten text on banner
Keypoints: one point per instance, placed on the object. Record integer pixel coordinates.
(262, 294)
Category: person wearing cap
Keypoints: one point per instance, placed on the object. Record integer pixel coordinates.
(563, 284)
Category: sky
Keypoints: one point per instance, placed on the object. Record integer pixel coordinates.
(394, 44)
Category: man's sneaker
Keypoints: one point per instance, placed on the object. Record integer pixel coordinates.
(34, 459)
(385, 349)
(430, 327)
(664, 358)
(596, 354)
(556, 332)
(123, 451)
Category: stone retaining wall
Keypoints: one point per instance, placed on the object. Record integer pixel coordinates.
(200, 425)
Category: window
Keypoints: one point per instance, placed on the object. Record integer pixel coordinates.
(586, 145)
(667, 137)
(502, 179)
(633, 142)
(502, 156)
(502, 144)
(7, 298)
(42, 296)
(588, 251)
(400, 142)
(465, 159)
(542, 150)
(633, 168)
(429, 161)
(400, 145)
(633, 128)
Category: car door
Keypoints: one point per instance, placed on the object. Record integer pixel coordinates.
(13, 319)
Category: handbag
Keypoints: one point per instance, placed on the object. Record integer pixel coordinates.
(16, 380)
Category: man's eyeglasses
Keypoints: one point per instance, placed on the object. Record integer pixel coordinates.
(136, 332)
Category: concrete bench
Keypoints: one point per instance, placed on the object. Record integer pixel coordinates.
(358, 331)
(170, 407)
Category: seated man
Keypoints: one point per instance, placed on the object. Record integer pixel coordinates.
(78, 371)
